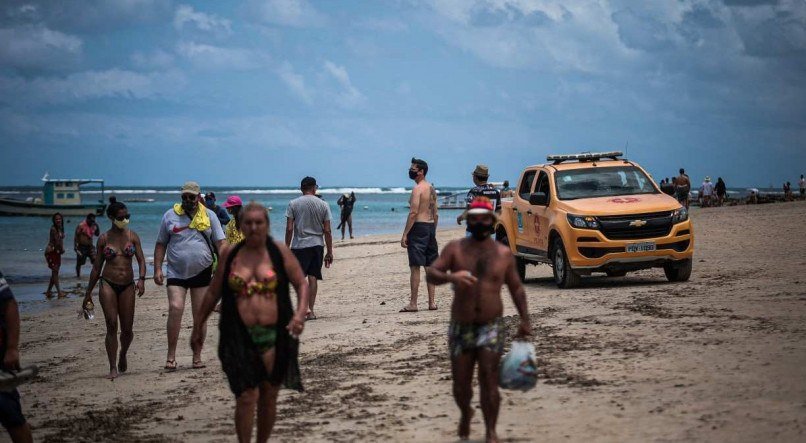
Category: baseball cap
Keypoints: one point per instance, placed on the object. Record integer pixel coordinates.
(191, 187)
(232, 200)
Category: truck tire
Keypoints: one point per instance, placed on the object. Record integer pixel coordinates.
(564, 276)
(520, 263)
(616, 273)
(678, 271)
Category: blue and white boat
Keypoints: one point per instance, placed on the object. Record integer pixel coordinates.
(58, 195)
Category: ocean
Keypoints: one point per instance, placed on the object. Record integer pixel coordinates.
(378, 210)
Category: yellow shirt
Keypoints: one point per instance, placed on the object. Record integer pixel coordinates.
(234, 235)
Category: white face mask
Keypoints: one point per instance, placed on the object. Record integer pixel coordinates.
(122, 223)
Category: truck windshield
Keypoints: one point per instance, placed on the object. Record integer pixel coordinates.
(602, 182)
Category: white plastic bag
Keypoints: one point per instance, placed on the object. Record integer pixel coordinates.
(518, 369)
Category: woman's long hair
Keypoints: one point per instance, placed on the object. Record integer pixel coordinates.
(59, 227)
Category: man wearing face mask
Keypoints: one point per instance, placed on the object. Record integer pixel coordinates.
(190, 236)
(477, 266)
(221, 213)
(420, 235)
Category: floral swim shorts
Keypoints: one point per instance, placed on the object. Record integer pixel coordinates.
(469, 336)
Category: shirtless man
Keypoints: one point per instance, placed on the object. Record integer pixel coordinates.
(682, 188)
(83, 242)
(420, 235)
(477, 267)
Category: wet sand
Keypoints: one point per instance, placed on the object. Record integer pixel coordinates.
(719, 358)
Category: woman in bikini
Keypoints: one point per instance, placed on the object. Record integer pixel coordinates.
(113, 267)
(258, 344)
(53, 253)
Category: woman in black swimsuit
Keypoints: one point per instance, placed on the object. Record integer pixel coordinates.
(113, 267)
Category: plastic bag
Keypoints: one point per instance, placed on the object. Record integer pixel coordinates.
(518, 369)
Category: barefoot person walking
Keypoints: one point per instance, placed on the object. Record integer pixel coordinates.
(189, 235)
(113, 268)
(478, 267)
(83, 242)
(258, 346)
(420, 235)
(307, 232)
(53, 253)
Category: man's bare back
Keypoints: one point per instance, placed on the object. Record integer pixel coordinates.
(424, 201)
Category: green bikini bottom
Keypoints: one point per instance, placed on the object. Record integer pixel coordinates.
(264, 337)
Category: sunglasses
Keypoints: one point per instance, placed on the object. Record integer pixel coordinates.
(189, 197)
(123, 217)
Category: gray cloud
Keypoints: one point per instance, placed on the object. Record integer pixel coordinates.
(34, 48)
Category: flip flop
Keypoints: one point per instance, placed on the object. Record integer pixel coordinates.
(433, 309)
(310, 317)
(199, 365)
(406, 309)
(170, 365)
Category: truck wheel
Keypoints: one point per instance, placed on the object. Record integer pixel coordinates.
(678, 271)
(616, 273)
(521, 265)
(564, 276)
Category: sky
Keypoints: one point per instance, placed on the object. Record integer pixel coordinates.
(265, 92)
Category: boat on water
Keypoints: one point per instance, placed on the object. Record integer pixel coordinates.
(58, 195)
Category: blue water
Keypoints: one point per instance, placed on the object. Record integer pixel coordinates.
(23, 239)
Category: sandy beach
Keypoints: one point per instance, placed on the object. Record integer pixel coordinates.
(719, 358)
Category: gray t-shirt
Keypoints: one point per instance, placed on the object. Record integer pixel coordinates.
(309, 214)
(188, 252)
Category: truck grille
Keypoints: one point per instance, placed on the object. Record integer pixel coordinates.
(622, 227)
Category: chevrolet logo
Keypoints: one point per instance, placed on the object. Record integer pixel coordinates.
(637, 223)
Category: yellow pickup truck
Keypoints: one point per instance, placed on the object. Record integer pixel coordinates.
(595, 212)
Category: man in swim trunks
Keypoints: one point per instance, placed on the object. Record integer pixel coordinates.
(346, 202)
(477, 267)
(682, 188)
(190, 236)
(83, 242)
(10, 410)
(420, 235)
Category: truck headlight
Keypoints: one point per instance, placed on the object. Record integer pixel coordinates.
(680, 215)
(583, 222)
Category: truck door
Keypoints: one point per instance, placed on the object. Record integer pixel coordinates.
(540, 213)
(523, 214)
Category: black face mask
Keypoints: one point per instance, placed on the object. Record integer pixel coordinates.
(188, 206)
(413, 174)
(480, 231)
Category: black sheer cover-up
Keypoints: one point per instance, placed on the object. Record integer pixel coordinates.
(240, 358)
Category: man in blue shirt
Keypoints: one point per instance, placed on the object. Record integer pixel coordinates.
(10, 410)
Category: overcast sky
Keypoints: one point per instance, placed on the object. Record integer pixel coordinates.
(154, 92)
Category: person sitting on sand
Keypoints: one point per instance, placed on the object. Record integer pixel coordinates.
(477, 267)
(10, 409)
(346, 202)
(258, 346)
(232, 231)
(83, 242)
(113, 268)
(420, 234)
(53, 253)
(190, 235)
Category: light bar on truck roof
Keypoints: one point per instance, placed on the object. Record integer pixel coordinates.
(586, 156)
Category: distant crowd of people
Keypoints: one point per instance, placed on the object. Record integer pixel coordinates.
(716, 194)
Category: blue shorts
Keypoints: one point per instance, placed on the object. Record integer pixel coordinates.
(10, 410)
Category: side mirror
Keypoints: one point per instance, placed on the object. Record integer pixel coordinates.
(539, 199)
